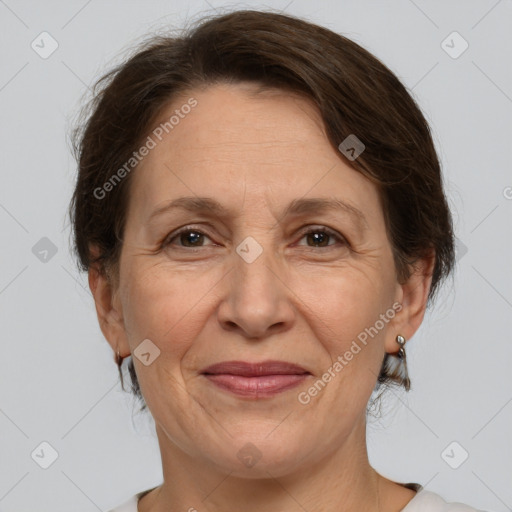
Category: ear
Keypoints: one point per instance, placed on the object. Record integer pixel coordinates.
(412, 295)
(108, 307)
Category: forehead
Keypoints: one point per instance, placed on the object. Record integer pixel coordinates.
(241, 118)
(239, 143)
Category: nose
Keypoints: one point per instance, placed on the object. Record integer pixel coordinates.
(257, 301)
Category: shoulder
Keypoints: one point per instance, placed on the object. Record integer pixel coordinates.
(426, 501)
(127, 506)
(131, 504)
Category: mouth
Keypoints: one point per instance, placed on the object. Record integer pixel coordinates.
(255, 380)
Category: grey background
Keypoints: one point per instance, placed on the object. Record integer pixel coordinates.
(58, 381)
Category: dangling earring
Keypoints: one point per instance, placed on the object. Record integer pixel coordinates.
(404, 375)
(118, 358)
(395, 367)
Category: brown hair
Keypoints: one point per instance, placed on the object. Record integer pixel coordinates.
(354, 92)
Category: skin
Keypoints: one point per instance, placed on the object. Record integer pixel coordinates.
(300, 301)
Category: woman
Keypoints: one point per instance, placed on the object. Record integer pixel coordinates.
(260, 210)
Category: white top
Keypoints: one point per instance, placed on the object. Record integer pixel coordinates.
(424, 501)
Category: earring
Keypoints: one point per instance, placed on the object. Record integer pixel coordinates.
(118, 358)
(402, 370)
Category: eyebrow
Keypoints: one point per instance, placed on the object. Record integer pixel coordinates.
(297, 207)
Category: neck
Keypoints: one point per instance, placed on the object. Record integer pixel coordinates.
(342, 481)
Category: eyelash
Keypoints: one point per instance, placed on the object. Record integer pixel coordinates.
(310, 230)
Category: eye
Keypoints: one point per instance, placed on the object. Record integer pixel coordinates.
(192, 238)
(320, 236)
(188, 236)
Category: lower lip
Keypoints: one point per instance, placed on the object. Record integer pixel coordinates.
(256, 387)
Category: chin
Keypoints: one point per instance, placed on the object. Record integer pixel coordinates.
(257, 456)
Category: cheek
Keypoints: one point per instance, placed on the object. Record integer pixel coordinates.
(164, 306)
(345, 310)
(351, 331)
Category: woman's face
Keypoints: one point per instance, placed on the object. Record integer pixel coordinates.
(244, 282)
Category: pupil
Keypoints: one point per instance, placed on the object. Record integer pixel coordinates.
(190, 235)
(316, 236)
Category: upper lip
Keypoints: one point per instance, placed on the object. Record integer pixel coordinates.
(247, 369)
